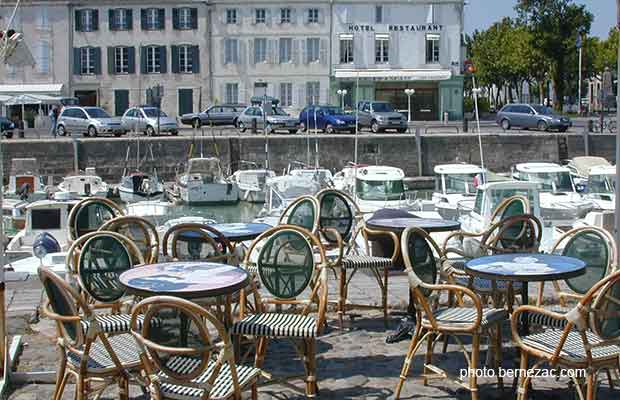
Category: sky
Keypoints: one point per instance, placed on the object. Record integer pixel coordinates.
(480, 14)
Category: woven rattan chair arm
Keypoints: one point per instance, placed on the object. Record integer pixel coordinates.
(459, 234)
(460, 292)
(514, 326)
(371, 232)
(47, 311)
(339, 243)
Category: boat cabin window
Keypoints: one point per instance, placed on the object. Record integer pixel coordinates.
(45, 219)
(551, 181)
(496, 196)
(380, 190)
(601, 184)
(460, 183)
(478, 202)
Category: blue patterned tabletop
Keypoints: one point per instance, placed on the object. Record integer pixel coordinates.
(526, 267)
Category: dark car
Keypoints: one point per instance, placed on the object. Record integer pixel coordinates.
(330, 119)
(225, 114)
(6, 127)
(531, 116)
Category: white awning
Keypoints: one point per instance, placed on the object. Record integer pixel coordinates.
(44, 88)
(394, 74)
(22, 99)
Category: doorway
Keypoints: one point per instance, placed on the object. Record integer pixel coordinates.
(186, 101)
(87, 98)
(260, 89)
(121, 102)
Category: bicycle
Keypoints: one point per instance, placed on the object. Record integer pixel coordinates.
(608, 125)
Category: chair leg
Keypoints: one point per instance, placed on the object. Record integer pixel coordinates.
(61, 375)
(384, 297)
(60, 388)
(254, 392)
(342, 296)
(523, 380)
(80, 388)
(428, 357)
(413, 348)
(123, 387)
(261, 349)
(473, 366)
(498, 355)
(591, 386)
(311, 384)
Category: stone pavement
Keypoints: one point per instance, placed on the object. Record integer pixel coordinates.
(354, 363)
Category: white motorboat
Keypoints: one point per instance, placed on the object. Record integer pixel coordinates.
(203, 182)
(600, 187)
(156, 211)
(49, 216)
(374, 187)
(560, 203)
(139, 186)
(455, 184)
(321, 175)
(252, 184)
(54, 261)
(82, 185)
(579, 168)
(282, 191)
(25, 182)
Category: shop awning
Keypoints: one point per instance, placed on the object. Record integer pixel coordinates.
(22, 99)
(394, 74)
(43, 88)
(30, 99)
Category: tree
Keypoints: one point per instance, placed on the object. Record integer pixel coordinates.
(607, 52)
(554, 25)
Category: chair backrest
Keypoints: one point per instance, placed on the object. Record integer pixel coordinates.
(595, 247)
(511, 206)
(89, 214)
(515, 234)
(605, 315)
(303, 212)
(142, 232)
(206, 350)
(195, 241)
(422, 255)
(337, 210)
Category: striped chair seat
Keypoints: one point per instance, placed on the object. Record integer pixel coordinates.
(277, 325)
(118, 323)
(365, 262)
(573, 349)
(485, 285)
(454, 264)
(125, 348)
(222, 387)
(466, 316)
(539, 319)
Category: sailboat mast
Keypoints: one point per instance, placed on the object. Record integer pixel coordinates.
(475, 90)
(316, 142)
(357, 124)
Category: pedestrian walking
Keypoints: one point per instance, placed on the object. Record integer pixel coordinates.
(54, 113)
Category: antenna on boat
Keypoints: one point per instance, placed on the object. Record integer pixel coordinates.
(316, 142)
(357, 125)
(265, 131)
(475, 91)
(307, 138)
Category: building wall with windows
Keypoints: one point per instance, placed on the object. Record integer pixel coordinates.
(276, 48)
(121, 49)
(379, 49)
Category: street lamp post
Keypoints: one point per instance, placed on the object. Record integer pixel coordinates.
(579, 47)
(409, 93)
(342, 93)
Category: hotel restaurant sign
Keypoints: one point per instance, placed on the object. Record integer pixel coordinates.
(397, 28)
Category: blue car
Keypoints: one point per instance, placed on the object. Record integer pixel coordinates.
(330, 119)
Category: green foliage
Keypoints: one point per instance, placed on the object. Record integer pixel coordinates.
(483, 105)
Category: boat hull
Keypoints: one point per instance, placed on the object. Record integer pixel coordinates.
(252, 195)
(209, 193)
(128, 196)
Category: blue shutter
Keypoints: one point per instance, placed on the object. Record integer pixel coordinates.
(143, 19)
(131, 60)
(195, 50)
(95, 21)
(143, 60)
(77, 66)
(175, 18)
(78, 21)
(111, 23)
(175, 59)
(129, 19)
(163, 60)
(194, 18)
(111, 61)
(97, 53)
(162, 18)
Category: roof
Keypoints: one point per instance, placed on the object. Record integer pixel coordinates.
(583, 164)
(380, 173)
(538, 167)
(42, 88)
(51, 203)
(458, 169)
(385, 73)
(603, 170)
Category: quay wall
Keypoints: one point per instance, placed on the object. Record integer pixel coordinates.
(501, 151)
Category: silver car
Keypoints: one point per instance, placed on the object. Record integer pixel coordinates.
(225, 114)
(531, 116)
(89, 121)
(276, 119)
(144, 119)
(379, 116)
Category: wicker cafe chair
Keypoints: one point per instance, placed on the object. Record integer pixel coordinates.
(89, 214)
(589, 339)
(303, 212)
(195, 241)
(142, 232)
(204, 368)
(341, 220)
(93, 359)
(287, 267)
(435, 322)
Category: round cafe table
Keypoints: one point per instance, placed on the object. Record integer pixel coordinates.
(235, 232)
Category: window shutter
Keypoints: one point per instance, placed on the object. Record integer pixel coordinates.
(293, 16)
(295, 51)
(304, 51)
(223, 54)
(393, 50)
(323, 51)
(239, 16)
(77, 66)
(162, 18)
(242, 53)
(195, 59)
(252, 56)
(143, 60)
(111, 24)
(194, 18)
(111, 61)
(78, 21)
(143, 19)
(268, 16)
(321, 16)
(271, 56)
(95, 21)
(129, 12)
(358, 50)
(131, 60)
(163, 59)
(175, 59)
(175, 18)
(97, 51)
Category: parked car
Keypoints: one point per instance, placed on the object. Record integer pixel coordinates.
(379, 116)
(276, 120)
(89, 121)
(6, 127)
(144, 119)
(330, 119)
(531, 116)
(225, 114)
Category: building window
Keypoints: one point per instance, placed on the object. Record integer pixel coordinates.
(260, 50)
(346, 49)
(231, 51)
(312, 92)
(185, 59)
(87, 20)
(286, 49)
(379, 14)
(43, 57)
(382, 49)
(185, 18)
(231, 16)
(432, 48)
(121, 60)
(153, 19)
(153, 60)
(43, 19)
(313, 50)
(430, 14)
(313, 16)
(87, 60)
(261, 16)
(232, 93)
(286, 94)
(285, 15)
(121, 19)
